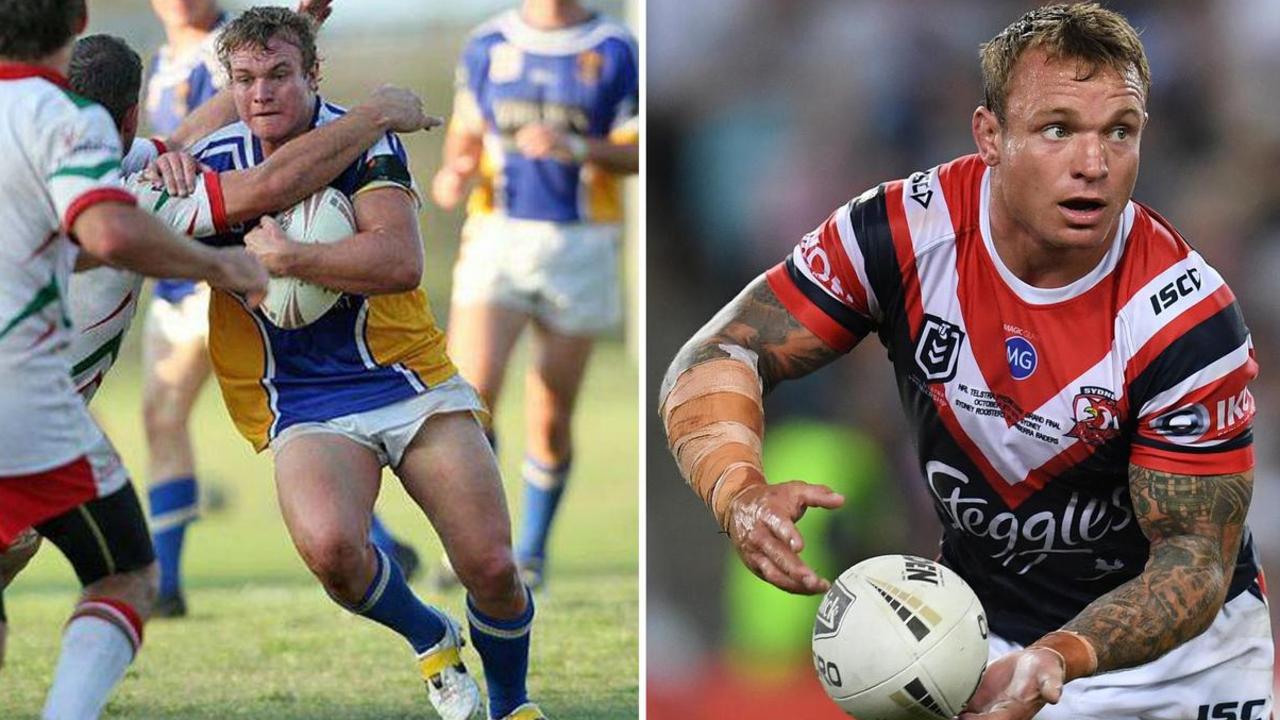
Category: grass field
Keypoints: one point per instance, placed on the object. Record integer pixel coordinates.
(264, 641)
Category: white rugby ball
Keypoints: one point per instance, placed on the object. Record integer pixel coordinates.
(900, 637)
(325, 217)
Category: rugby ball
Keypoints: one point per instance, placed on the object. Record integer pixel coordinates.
(900, 637)
(324, 217)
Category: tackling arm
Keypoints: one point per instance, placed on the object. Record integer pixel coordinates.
(125, 236)
(303, 165)
(711, 407)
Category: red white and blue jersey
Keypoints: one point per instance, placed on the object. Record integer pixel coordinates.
(1029, 404)
(176, 85)
(582, 80)
(365, 353)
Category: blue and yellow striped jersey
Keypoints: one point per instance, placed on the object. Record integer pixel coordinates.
(582, 80)
(365, 353)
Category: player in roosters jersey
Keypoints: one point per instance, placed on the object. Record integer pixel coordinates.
(1076, 376)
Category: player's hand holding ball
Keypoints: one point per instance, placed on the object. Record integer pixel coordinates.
(761, 522)
(1017, 685)
(271, 246)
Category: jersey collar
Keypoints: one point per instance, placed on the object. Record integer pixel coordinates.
(1047, 296)
(22, 71)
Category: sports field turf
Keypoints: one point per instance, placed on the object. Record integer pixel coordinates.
(263, 640)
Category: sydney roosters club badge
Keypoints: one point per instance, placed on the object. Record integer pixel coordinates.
(1097, 415)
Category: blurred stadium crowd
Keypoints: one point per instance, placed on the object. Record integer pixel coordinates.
(763, 117)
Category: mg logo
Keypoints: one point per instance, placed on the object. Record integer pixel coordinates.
(938, 349)
(1022, 357)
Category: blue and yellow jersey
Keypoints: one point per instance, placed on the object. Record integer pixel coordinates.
(582, 80)
(365, 353)
(176, 85)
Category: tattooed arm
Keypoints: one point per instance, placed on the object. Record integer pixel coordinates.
(755, 321)
(1194, 525)
(711, 400)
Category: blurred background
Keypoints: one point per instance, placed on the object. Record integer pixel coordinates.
(262, 639)
(766, 115)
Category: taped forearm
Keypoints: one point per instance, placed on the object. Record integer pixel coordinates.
(1079, 659)
(714, 418)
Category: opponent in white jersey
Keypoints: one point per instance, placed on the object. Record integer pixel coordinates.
(1076, 376)
(58, 473)
(545, 118)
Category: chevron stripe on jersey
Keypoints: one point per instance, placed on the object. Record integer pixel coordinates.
(1029, 404)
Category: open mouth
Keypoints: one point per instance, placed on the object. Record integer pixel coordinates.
(1083, 205)
(1082, 211)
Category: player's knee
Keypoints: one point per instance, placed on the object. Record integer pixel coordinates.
(490, 576)
(138, 588)
(15, 558)
(162, 413)
(336, 562)
(146, 583)
(550, 438)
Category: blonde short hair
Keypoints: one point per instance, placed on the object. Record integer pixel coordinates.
(257, 27)
(1087, 32)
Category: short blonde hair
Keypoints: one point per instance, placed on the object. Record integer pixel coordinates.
(1086, 31)
(257, 27)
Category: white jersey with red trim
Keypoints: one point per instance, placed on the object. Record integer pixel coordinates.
(104, 300)
(62, 156)
(1029, 404)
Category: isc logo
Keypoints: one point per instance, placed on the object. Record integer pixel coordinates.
(1231, 710)
(1182, 286)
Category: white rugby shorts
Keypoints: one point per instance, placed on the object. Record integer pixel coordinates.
(563, 274)
(1225, 672)
(387, 431)
(182, 322)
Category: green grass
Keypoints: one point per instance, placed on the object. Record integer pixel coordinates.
(263, 640)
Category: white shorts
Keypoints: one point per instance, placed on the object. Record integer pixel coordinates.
(387, 431)
(1224, 673)
(563, 274)
(182, 322)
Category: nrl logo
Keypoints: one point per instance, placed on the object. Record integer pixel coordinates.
(938, 349)
(1097, 416)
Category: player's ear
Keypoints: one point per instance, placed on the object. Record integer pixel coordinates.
(313, 77)
(986, 135)
(129, 126)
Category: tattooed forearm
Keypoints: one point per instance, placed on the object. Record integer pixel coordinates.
(757, 321)
(1194, 524)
